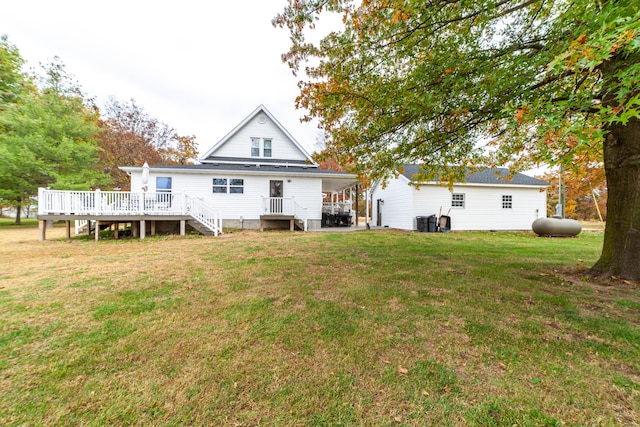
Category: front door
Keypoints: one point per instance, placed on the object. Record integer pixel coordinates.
(276, 193)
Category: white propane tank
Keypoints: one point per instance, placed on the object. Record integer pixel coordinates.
(557, 227)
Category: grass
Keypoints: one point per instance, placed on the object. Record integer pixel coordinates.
(372, 328)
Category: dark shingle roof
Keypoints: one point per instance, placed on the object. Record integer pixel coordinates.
(262, 160)
(297, 169)
(487, 176)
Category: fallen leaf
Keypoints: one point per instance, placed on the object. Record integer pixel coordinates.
(402, 369)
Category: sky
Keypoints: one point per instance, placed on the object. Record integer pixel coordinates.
(199, 66)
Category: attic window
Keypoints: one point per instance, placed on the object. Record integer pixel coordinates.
(255, 147)
(267, 148)
(261, 147)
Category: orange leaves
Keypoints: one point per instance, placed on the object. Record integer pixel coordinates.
(399, 16)
(521, 115)
(582, 39)
(402, 370)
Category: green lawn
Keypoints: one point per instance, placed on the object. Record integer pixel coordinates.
(371, 328)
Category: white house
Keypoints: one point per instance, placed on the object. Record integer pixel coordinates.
(258, 174)
(488, 200)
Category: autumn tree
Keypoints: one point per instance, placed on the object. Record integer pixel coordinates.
(131, 137)
(544, 82)
(47, 136)
(584, 191)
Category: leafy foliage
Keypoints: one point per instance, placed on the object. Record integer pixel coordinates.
(497, 82)
(131, 137)
(48, 133)
(583, 187)
(463, 82)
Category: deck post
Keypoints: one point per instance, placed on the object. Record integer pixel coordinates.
(143, 225)
(291, 224)
(97, 230)
(357, 185)
(183, 224)
(134, 229)
(67, 224)
(153, 227)
(42, 230)
(116, 231)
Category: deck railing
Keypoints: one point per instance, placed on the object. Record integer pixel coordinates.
(123, 203)
(284, 206)
(278, 206)
(110, 203)
(204, 214)
(300, 212)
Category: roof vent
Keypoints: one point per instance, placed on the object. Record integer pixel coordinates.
(247, 166)
(276, 166)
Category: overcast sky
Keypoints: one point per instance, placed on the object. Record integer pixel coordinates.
(198, 66)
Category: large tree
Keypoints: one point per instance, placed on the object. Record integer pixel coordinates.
(131, 137)
(47, 133)
(513, 82)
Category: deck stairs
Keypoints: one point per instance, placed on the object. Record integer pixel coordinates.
(200, 228)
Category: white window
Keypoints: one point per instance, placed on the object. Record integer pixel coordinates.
(255, 147)
(163, 184)
(507, 201)
(219, 185)
(261, 147)
(266, 152)
(224, 185)
(457, 200)
(236, 186)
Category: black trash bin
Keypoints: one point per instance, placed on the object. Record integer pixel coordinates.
(432, 225)
(422, 223)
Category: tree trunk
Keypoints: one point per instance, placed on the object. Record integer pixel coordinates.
(621, 250)
(18, 214)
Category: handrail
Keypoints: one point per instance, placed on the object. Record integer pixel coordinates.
(204, 214)
(110, 202)
(301, 212)
(285, 206)
(127, 203)
(278, 206)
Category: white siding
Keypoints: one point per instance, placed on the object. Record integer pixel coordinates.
(397, 210)
(307, 191)
(482, 211)
(483, 206)
(239, 145)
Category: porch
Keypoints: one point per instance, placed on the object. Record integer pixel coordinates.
(276, 209)
(116, 207)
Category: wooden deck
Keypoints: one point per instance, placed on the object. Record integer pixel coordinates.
(140, 224)
(117, 207)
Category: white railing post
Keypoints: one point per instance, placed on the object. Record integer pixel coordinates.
(41, 201)
(184, 203)
(96, 202)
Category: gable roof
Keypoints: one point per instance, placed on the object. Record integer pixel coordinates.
(208, 156)
(496, 176)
